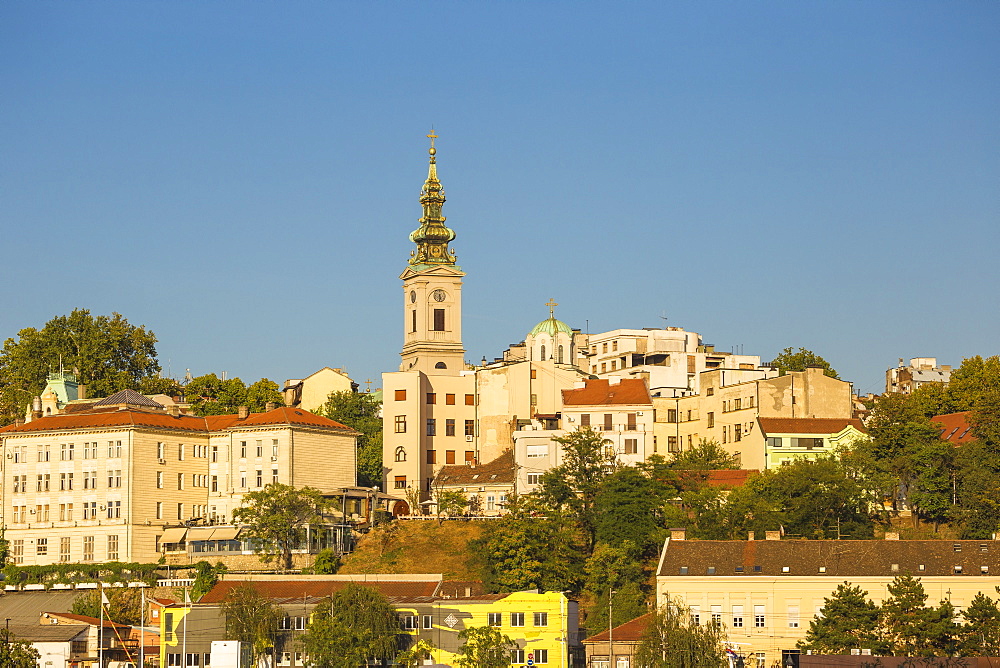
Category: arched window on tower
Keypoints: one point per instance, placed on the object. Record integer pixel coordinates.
(543, 353)
(559, 355)
(400, 454)
(440, 365)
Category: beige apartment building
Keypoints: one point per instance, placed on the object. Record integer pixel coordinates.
(732, 400)
(765, 592)
(102, 484)
(311, 392)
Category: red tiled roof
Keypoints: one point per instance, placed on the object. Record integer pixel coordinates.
(159, 420)
(955, 427)
(721, 478)
(630, 631)
(84, 619)
(291, 589)
(601, 392)
(808, 425)
(500, 470)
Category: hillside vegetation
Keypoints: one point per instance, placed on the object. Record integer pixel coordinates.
(419, 547)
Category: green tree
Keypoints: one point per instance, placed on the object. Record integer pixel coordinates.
(933, 473)
(360, 412)
(848, 620)
(531, 547)
(484, 647)
(16, 653)
(327, 563)
(628, 506)
(978, 485)
(107, 353)
(210, 395)
(706, 456)
(276, 517)
(206, 577)
(356, 627)
(980, 635)
(124, 604)
(251, 619)
(416, 654)
(673, 640)
(573, 485)
(789, 360)
(974, 383)
(911, 628)
(450, 502)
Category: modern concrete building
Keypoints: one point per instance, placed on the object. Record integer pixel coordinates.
(919, 372)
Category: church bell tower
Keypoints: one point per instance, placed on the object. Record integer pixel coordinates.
(432, 288)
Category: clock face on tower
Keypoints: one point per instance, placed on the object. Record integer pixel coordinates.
(439, 295)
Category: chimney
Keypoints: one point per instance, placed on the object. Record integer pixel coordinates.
(242, 413)
(173, 410)
(18, 422)
(892, 535)
(678, 534)
(270, 406)
(81, 391)
(772, 535)
(752, 535)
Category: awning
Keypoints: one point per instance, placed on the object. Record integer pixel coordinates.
(175, 535)
(225, 533)
(200, 533)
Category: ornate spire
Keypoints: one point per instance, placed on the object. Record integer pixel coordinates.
(432, 237)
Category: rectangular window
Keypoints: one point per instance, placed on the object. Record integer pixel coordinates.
(470, 427)
(274, 476)
(438, 320)
(671, 415)
(431, 427)
(159, 510)
(409, 622)
(432, 457)
(431, 398)
(159, 480)
(88, 548)
(517, 619)
(494, 618)
(711, 420)
(243, 449)
(115, 478)
(517, 656)
(274, 447)
(428, 622)
(470, 457)
(737, 616)
(758, 616)
(243, 479)
(400, 424)
(585, 420)
(449, 457)
(793, 616)
(180, 481)
(631, 422)
(672, 444)
(717, 615)
(631, 446)
(180, 511)
(42, 546)
(400, 482)
(449, 427)
(260, 448)
(541, 619)
(608, 422)
(542, 656)
(774, 441)
(470, 400)
(66, 452)
(400, 395)
(534, 478)
(64, 549)
(17, 550)
(260, 478)
(215, 483)
(737, 432)
(112, 548)
(215, 453)
(180, 451)
(449, 399)
(413, 321)
(114, 509)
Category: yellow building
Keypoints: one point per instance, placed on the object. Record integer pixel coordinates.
(102, 485)
(731, 401)
(766, 592)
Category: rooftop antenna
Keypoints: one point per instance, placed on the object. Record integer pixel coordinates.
(663, 317)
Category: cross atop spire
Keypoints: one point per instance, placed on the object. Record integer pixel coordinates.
(552, 307)
(432, 150)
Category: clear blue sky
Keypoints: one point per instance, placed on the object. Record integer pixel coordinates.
(241, 177)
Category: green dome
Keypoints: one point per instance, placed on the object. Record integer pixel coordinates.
(551, 326)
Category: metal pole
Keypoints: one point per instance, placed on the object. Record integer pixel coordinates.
(611, 642)
(142, 630)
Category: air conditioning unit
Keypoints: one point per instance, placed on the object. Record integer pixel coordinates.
(274, 459)
(162, 461)
(468, 438)
(639, 413)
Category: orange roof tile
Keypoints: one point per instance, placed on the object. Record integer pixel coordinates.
(955, 427)
(630, 631)
(808, 425)
(161, 420)
(601, 392)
